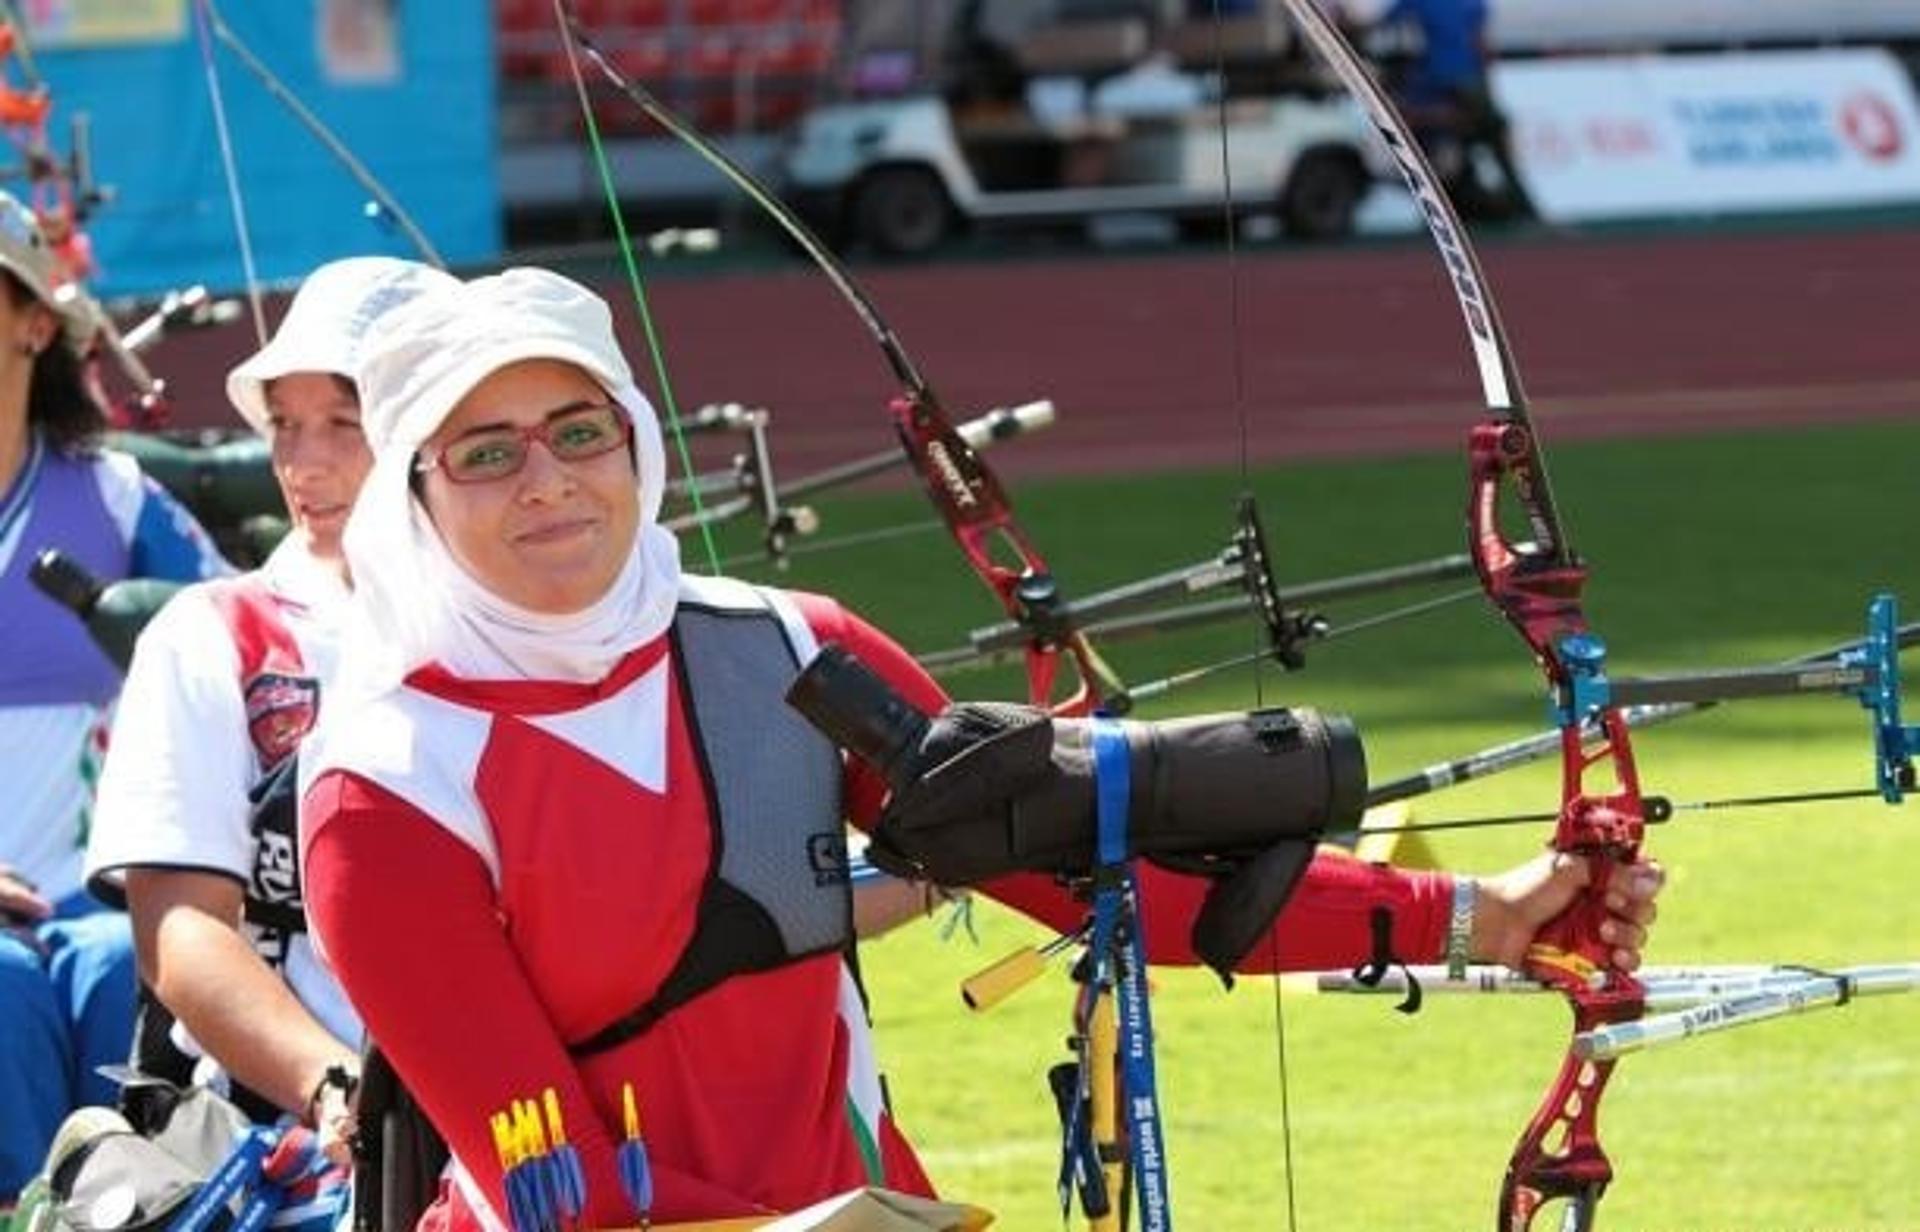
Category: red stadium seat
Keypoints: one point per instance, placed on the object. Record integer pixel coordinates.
(710, 12)
(646, 60)
(648, 14)
(518, 15)
(788, 71)
(764, 12)
(524, 26)
(598, 16)
(786, 14)
(617, 116)
(715, 110)
(716, 55)
(778, 111)
(790, 57)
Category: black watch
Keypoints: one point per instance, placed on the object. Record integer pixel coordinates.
(340, 1078)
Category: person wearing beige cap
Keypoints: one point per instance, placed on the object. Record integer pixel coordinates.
(563, 837)
(66, 964)
(222, 686)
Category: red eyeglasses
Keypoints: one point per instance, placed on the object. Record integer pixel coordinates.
(571, 434)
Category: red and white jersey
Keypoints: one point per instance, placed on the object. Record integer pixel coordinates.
(527, 857)
(191, 738)
(499, 869)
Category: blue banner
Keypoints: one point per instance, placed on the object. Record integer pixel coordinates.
(408, 87)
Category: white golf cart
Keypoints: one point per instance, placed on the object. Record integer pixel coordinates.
(1051, 120)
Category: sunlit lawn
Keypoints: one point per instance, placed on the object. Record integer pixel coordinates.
(1720, 551)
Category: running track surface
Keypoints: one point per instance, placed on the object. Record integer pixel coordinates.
(1166, 361)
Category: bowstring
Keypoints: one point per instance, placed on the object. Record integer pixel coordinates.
(1236, 367)
(382, 198)
(203, 31)
(637, 285)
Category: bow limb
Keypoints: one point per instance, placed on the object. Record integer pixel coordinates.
(1537, 587)
(967, 493)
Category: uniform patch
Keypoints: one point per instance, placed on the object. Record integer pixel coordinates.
(280, 710)
(827, 856)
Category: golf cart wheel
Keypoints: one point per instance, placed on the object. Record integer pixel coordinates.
(902, 212)
(1322, 196)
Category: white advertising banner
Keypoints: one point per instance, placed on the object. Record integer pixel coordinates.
(1619, 138)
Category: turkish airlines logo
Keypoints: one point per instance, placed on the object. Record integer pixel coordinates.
(1872, 127)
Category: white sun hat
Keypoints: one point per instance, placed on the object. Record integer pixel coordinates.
(326, 324)
(26, 254)
(413, 603)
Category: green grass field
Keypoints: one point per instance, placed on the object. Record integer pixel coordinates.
(1722, 551)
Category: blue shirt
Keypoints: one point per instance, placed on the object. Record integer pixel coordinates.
(54, 681)
(1452, 31)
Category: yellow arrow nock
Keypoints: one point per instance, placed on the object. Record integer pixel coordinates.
(632, 1110)
(503, 1140)
(556, 1129)
(533, 1140)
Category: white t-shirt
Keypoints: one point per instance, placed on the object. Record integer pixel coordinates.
(51, 756)
(174, 791)
(50, 753)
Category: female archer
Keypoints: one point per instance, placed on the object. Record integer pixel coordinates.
(66, 964)
(557, 800)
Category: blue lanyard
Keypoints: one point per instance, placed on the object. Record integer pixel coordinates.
(1115, 897)
(240, 1170)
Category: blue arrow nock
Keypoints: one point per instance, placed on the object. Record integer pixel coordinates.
(1585, 692)
(1894, 743)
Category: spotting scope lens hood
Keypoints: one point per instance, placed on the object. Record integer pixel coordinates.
(65, 581)
(860, 712)
(1346, 772)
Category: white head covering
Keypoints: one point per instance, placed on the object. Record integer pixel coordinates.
(413, 603)
(326, 323)
(25, 253)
